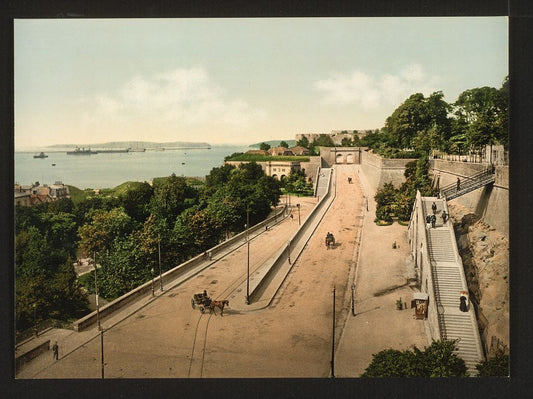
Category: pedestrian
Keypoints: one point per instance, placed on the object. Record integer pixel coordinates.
(444, 215)
(291, 217)
(433, 220)
(434, 208)
(55, 348)
(458, 184)
(210, 255)
(428, 221)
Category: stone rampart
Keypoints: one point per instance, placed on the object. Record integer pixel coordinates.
(491, 203)
(379, 171)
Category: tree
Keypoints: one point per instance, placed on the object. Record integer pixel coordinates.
(284, 144)
(484, 111)
(497, 366)
(105, 226)
(437, 360)
(136, 201)
(170, 197)
(264, 146)
(303, 142)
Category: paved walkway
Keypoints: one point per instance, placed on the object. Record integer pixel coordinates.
(380, 279)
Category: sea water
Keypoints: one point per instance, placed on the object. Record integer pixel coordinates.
(108, 170)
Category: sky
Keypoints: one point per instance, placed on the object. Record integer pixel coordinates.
(239, 81)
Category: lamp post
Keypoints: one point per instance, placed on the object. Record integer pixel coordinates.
(35, 328)
(353, 300)
(248, 257)
(333, 339)
(98, 318)
(159, 252)
(298, 206)
(289, 248)
(152, 273)
(96, 295)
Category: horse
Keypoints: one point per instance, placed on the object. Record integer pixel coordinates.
(330, 241)
(218, 304)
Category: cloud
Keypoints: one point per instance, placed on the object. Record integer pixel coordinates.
(371, 92)
(181, 98)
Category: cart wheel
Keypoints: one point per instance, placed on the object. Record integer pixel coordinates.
(202, 309)
(192, 303)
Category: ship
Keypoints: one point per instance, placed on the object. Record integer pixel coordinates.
(113, 151)
(81, 151)
(41, 155)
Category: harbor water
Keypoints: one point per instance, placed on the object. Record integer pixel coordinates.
(108, 170)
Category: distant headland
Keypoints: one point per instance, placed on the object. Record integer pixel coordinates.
(135, 145)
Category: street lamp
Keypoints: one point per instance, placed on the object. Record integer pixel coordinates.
(96, 294)
(298, 206)
(159, 251)
(35, 328)
(248, 257)
(152, 273)
(333, 339)
(353, 300)
(289, 248)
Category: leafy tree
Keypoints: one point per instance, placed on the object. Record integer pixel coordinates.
(217, 177)
(170, 197)
(437, 360)
(104, 227)
(385, 202)
(136, 201)
(497, 366)
(284, 144)
(303, 142)
(485, 111)
(264, 146)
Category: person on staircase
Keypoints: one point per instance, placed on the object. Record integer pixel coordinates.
(434, 208)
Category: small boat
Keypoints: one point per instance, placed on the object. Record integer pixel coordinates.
(41, 155)
(183, 163)
(53, 164)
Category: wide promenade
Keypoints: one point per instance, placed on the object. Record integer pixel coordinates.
(291, 336)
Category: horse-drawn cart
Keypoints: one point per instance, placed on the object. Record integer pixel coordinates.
(201, 300)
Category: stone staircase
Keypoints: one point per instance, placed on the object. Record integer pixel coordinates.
(449, 281)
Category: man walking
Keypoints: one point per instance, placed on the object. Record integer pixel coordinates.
(433, 220)
(55, 348)
(458, 184)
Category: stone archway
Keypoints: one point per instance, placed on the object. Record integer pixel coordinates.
(349, 158)
(275, 176)
(339, 158)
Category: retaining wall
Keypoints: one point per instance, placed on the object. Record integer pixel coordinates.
(490, 202)
(146, 288)
(283, 254)
(379, 171)
(31, 354)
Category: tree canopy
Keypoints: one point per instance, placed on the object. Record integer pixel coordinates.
(437, 360)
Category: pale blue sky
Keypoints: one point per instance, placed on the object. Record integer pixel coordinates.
(239, 80)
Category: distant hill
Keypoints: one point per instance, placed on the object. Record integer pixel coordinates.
(136, 144)
(274, 143)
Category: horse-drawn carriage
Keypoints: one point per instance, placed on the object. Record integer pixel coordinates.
(202, 300)
(330, 241)
(206, 303)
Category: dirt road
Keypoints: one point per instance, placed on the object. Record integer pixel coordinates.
(290, 338)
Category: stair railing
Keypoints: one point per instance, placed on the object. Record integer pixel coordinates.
(468, 184)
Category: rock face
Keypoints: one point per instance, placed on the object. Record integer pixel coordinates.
(485, 255)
